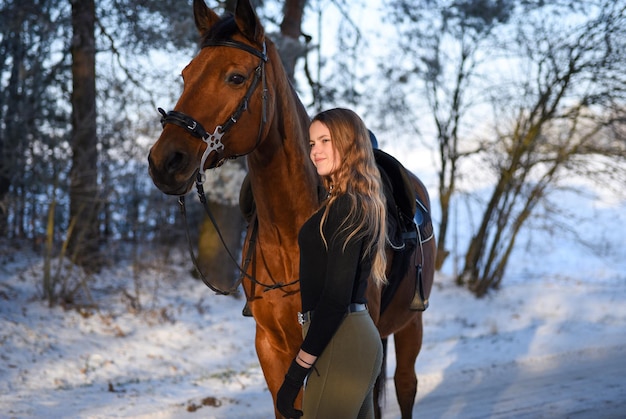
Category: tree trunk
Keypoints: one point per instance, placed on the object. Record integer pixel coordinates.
(291, 49)
(84, 174)
(11, 119)
(444, 202)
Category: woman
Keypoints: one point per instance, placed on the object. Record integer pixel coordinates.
(341, 246)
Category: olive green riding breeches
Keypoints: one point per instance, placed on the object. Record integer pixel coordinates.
(341, 384)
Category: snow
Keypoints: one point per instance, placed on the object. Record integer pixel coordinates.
(150, 341)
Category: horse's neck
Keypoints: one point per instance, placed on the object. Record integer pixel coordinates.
(283, 178)
(284, 187)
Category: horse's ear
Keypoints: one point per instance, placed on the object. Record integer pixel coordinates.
(204, 17)
(248, 22)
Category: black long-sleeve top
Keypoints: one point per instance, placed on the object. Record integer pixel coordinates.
(330, 279)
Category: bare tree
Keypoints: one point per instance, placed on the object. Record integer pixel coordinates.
(565, 111)
(442, 45)
(31, 120)
(563, 99)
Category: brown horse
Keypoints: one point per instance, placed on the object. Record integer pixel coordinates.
(237, 88)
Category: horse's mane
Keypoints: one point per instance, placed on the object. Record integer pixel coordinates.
(224, 29)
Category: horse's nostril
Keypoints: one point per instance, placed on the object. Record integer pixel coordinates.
(175, 162)
(150, 161)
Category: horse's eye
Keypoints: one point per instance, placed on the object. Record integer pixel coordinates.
(236, 78)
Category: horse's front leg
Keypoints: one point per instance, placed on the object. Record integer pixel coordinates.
(275, 356)
(408, 343)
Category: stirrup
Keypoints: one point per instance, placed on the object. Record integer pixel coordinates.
(419, 302)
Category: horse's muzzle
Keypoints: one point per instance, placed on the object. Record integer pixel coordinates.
(168, 177)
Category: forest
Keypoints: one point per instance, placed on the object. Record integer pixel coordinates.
(509, 102)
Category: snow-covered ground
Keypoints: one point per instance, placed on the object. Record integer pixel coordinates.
(158, 344)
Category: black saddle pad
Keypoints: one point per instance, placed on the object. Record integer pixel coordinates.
(408, 220)
(401, 188)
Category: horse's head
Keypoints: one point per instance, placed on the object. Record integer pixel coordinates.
(223, 110)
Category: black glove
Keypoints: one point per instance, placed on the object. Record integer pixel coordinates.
(294, 379)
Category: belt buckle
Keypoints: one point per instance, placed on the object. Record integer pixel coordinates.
(300, 318)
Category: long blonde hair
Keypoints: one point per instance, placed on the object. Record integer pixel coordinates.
(357, 177)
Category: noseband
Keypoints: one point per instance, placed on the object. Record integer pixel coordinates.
(214, 140)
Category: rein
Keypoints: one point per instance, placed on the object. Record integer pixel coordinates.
(183, 211)
(248, 258)
(214, 143)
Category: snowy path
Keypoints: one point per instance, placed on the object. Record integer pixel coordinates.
(541, 347)
(584, 384)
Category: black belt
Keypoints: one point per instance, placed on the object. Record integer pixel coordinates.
(352, 308)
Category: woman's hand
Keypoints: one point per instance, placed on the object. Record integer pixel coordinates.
(288, 392)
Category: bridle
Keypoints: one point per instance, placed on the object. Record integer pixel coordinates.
(214, 140)
(214, 143)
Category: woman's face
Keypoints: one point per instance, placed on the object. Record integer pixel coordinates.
(323, 153)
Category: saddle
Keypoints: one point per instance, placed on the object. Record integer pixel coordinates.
(408, 226)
